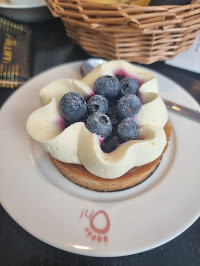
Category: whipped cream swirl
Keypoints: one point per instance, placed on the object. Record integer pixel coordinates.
(75, 144)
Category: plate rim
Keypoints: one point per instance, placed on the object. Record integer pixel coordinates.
(7, 5)
(85, 252)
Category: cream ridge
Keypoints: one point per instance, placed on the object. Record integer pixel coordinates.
(76, 144)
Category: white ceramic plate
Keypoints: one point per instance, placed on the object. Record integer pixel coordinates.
(77, 220)
(29, 4)
(29, 12)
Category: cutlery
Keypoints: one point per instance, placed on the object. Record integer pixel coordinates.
(185, 111)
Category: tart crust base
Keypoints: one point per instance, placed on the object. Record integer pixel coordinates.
(80, 176)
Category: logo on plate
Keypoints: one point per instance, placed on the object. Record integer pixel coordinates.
(98, 225)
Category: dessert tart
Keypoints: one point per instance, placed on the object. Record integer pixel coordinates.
(106, 132)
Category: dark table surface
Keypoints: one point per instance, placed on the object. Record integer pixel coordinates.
(50, 47)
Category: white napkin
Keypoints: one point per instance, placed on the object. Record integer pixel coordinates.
(188, 60)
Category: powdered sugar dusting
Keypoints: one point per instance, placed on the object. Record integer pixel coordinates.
(128, 129)
(100, 124)
(97, 103)
(74, 101)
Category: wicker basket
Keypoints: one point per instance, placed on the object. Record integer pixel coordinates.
(135, 34)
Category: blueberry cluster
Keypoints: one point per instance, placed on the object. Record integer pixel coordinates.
(109, 113)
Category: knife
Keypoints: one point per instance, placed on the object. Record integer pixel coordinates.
(193, 114)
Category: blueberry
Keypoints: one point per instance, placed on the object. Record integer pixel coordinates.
(120, 77)
(100, 124)
(73, 106)
(128, 106)
(129, 86)
(110, 144)
(127, 129)
(97, 103)
(107, 86)
(112, 112)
